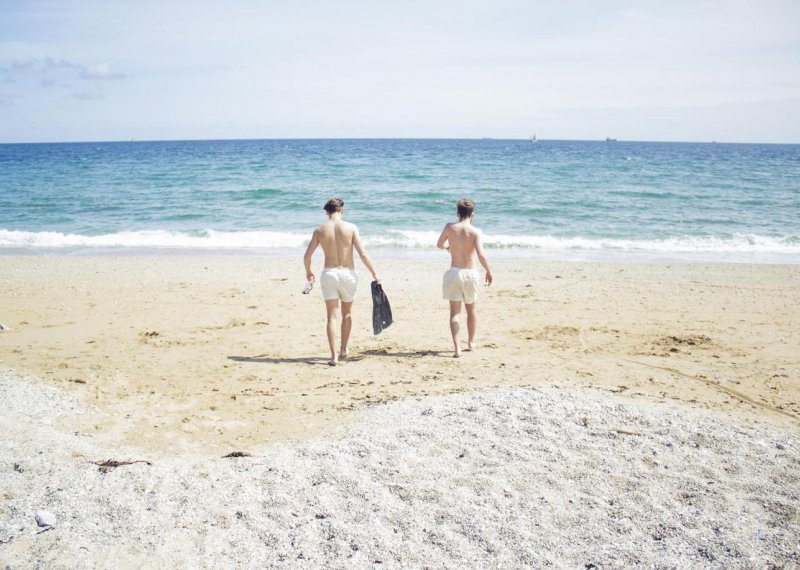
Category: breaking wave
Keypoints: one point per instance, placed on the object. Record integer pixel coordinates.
(399, 239)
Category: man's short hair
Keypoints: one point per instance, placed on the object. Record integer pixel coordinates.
(465, 208)
(334, 205)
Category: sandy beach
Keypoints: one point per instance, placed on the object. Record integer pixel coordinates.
(179, 360)
(213, 352)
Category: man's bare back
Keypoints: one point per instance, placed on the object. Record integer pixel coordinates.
(337, 239)
(462, 243)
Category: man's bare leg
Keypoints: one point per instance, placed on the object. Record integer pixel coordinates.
(455, 311)
(333, 311)
(472, 325)
(347, 325)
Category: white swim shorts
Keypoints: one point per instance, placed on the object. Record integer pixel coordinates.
(338, 283)
(460, 285)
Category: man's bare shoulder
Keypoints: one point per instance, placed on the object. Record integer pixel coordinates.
(347, 229)
(470, 233)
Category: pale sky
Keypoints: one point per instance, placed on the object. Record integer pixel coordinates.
(637, 70)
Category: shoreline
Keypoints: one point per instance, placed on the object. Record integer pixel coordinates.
(414, 253)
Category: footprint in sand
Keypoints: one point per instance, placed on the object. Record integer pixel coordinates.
(555, 336)
(674, 344)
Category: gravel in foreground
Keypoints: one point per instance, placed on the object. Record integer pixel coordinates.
(506, 479)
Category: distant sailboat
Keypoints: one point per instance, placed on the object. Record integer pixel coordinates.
(533, 138)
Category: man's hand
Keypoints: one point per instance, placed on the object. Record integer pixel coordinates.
(376, 278)
(310, 276)
(488, 277)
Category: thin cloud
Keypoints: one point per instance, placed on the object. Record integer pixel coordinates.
(51, 63)
(100, 71)
(49, 67)
(43, 65)
(93, 93)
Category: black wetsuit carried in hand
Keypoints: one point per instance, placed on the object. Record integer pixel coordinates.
(381, 311)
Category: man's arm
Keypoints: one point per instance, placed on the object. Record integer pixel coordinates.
(363, 255)
(482, 257)
(443, 238)
(312, 246)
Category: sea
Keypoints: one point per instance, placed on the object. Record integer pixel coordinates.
(549, 199)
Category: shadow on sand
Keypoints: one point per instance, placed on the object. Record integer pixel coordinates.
(411, 354)
(266, 359)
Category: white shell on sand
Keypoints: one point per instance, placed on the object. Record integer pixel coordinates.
(45, 518)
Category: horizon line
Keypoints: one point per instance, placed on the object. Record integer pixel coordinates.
(538, 140)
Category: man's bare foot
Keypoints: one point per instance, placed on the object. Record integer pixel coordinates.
(342, 356)
(333, 362)
(457, 353)
(471, 347)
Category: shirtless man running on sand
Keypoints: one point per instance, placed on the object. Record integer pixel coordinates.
(461, 281)
(338, 279)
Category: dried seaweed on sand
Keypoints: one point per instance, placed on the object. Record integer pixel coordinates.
(109, 464)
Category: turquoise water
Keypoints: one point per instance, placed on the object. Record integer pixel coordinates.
(558, 199)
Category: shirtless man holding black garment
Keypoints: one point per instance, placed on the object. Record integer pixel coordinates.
(461, 281)
(338, 279)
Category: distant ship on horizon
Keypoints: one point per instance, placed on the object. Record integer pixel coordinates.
(533, 138)
(609, 139)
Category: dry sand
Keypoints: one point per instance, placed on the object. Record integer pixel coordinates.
(213, 352)
(179, 360)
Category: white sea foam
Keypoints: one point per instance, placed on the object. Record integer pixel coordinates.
(153, 239)
(740, 243)
(684, 244)
(401, 239)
